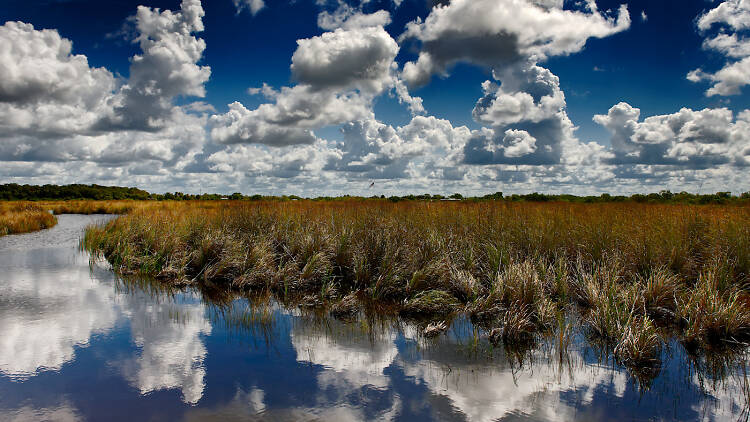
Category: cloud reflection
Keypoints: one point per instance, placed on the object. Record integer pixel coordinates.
(169, 335)
(351, 357)
(46, 313)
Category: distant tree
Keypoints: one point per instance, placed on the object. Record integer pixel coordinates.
(14, 191)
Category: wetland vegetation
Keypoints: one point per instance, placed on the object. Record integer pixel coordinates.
(21, 217)
(631, 276)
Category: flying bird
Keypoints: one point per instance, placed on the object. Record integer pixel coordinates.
(371, 185)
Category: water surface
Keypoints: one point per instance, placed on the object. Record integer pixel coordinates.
(77, 343)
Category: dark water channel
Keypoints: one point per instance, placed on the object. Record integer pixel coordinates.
(76, 343)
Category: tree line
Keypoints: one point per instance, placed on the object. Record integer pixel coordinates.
(14, 192)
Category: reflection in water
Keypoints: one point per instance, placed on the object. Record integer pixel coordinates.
(57, 414)
(169, 335)
(349, 357)
(53, 301)
(44, 312)
(78, 344)
(487, 390)
(727, 387)
(244, 406)
(43, 316)
(477, 389)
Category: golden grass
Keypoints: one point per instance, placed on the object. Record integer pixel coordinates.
(24, 217)
(95, 207)
(28, 216)
(515, 267)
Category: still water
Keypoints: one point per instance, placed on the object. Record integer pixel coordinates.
(77, 343)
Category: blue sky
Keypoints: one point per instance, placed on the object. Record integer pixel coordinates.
(150, 104)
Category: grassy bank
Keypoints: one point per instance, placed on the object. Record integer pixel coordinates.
(24, 217)
(634, 274)
(18, 217)
(93, 207)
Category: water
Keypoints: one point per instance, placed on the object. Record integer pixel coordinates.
(76, 343)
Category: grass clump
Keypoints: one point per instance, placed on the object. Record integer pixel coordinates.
(430, 303)
(617, 318)
(516, 327)
(715, 313)
(347, 308)
(662, 291)
(639, 344)
(519, 302)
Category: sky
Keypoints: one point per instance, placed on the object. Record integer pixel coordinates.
(371, 97)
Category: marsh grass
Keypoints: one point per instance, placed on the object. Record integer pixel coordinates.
(431, 303)
(93, 207)
(716, 312)
(347, 308)
(628, 269)
(24, 217)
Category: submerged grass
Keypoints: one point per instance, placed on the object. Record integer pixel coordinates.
(630, 270)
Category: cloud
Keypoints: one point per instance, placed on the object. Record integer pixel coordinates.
(254, 6)
(339, 74)
(38, 66)
(46, 90)
(282, 162)
(527, 95)
(425, 147)
(55, 108)
(167, 68)
(359, 58)
(63, 120)
(290, 118)
(241, 125)
(688, 138)
(523, 107)
(519, 143)
(529, 101)
(348, 17)
(733, 15)
(501, 33)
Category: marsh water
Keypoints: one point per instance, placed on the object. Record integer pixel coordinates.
(77, 343)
